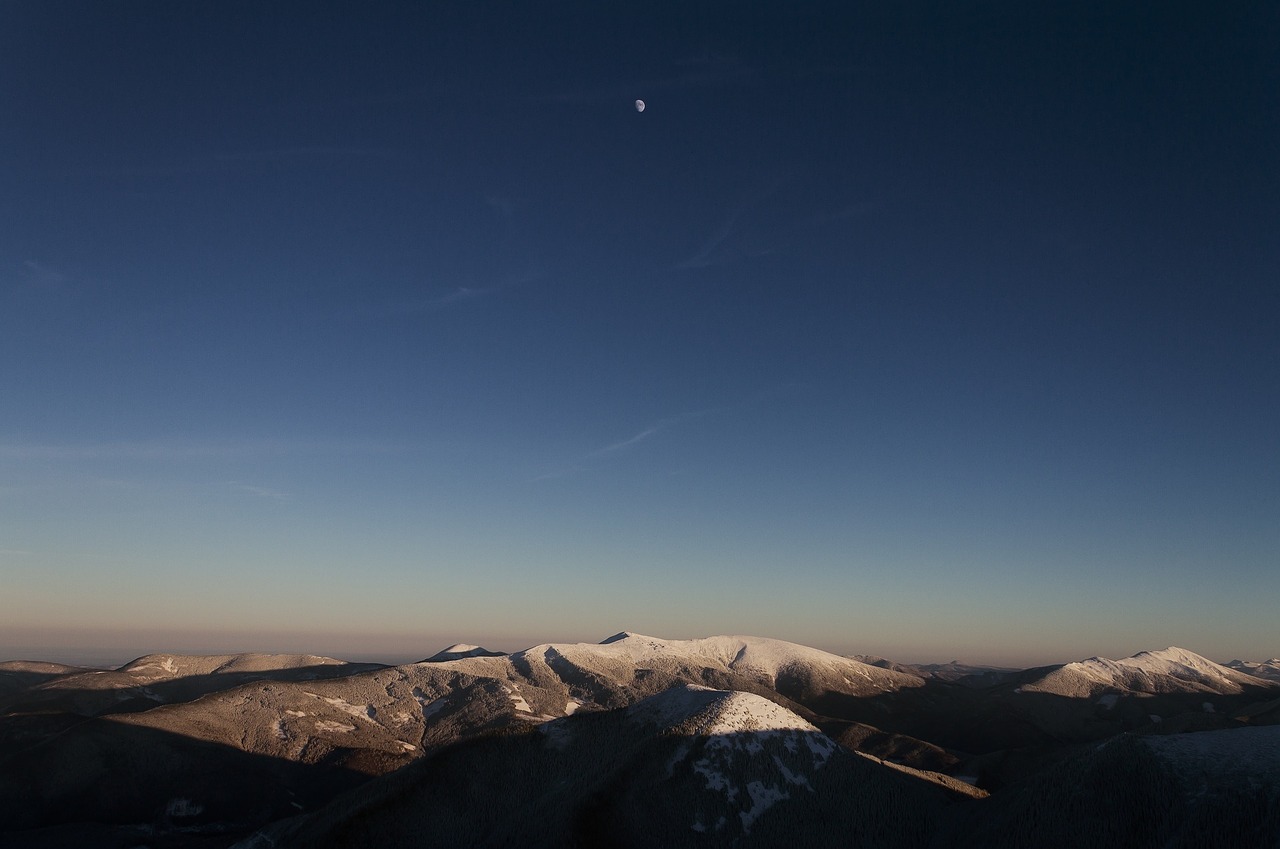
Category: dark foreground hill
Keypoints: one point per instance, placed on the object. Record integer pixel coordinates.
(636, 741)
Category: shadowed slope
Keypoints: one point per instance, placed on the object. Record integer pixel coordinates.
(687, 767)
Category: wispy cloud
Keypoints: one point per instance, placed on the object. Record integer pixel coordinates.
(647, 433)
(720, 249)
(627, 443)
(715, 250)
(441, 300)
(596, 458)
(710, 253)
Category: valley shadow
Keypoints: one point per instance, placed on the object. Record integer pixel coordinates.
(16, 680)
(1002, 734)
(105, 783)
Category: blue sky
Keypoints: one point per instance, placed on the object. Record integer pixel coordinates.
(897, 330)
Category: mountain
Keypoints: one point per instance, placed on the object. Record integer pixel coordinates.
(1268, 669)
(1205, 790)
(955, 670)
(691, 766)
(1171, 670)
(461, 650)
(626, 736)
(155, 679)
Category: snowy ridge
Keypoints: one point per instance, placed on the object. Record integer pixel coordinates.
(1168, 670)
(740, 735)
(459, 651)
(1267, 669)
(761, 657)
(156, 666)
(702, 710)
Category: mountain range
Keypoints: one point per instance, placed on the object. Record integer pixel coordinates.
(639, 741)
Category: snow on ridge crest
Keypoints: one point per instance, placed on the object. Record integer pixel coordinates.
(713, 712)
(765, 655)
(748, 712)
(1162, 670)
(462, 651)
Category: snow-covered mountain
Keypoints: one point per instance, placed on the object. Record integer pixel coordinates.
(159, 679)
(457, 651)
(955, 670)
(1171, 670)
(1268, 669)
(690, 766)
(739, 736)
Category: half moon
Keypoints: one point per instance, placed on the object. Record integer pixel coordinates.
(639, 105)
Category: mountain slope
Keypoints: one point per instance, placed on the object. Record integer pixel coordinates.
(161, 679)
(687, 767)
(1171, 670)
(118, 747)
(1210, 790)
(1266, 669)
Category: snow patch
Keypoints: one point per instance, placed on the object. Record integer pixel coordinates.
(358, 711)
(716, 780)
(517, 700)
(763, 797)
(430, 707)
(335, 727)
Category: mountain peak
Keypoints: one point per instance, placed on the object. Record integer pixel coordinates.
(457, 651)
(625, 635)
(1171, 669)
(709, 712)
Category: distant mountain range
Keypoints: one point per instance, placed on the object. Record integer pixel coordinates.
(639, 741)
(1269, 669)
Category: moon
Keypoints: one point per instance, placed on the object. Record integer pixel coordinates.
(639, 105)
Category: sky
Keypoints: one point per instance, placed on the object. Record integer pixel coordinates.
(923, 330)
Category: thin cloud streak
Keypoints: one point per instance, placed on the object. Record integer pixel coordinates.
(707, 256)
(627, 443)
(619, 447)
(459, 294)
(648, 432)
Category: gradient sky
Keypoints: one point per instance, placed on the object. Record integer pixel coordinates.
(927, 330)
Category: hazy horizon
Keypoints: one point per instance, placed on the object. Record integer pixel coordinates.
(923, 332)
(114, 648)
